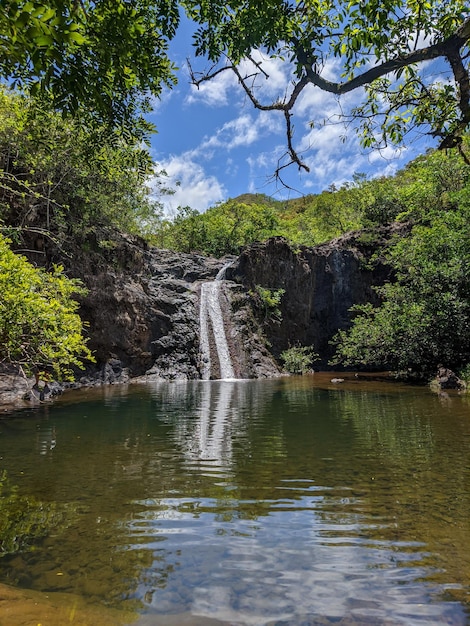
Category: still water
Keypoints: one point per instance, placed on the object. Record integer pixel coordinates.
(282, 502)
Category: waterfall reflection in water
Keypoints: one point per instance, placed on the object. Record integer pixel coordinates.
(250, 503)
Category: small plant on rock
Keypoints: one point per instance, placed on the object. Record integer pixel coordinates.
(269, 301)
(298, 359)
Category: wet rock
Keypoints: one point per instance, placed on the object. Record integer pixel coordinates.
(14, 386)
(447, 379)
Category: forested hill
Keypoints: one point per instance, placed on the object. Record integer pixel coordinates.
(437, 182)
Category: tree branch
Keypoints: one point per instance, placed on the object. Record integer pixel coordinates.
(449, 49)
(440, 49)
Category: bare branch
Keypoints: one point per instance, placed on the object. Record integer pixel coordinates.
(292, 152)
(206, 76)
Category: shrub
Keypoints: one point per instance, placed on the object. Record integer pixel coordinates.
(269, 300)
(39, 325)
(298, 359)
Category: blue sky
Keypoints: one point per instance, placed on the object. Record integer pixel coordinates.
(216, 145)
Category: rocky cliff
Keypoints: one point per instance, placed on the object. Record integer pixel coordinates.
(142, 307)
(321, 284)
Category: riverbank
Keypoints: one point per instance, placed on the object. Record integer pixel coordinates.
(18, 392)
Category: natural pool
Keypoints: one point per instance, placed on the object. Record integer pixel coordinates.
(284, 502)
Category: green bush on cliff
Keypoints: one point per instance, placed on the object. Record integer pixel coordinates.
(424, 318)
(298, 359)
(39, 325)
(269, 301)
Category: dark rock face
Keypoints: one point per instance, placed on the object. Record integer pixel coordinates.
(145, 323)
(147, 320)
(321, 285)
(142, 306)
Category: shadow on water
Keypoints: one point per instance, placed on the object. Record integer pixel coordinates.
(288, 501)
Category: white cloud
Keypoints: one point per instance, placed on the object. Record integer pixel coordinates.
(193, 186)
(241, 132)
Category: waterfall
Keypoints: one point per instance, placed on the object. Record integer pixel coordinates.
(213, 340)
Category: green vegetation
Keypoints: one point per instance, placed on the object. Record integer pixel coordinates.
(100, 60)
(40, 328)
(223, 229)
(436, 181)
(425, 315)
(269, 300)
(298, 359)
(105, 59)
(58, 176)
(81, 77)
(58, 182)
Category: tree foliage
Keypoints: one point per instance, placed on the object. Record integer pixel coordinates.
(223, 229)
(39, 324)
(268, 301)
(381, 46)
(101, 59)
(424, 318)
(59, 176)
(298, 359)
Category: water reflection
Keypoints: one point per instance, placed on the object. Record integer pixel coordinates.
(207, 436)
(251, 502)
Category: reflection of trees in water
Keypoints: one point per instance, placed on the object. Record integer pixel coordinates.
(393, 425)
(408, 443)
(24, 519)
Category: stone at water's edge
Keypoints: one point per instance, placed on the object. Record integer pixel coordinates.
(14, 387)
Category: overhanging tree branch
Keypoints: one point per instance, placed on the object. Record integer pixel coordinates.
(451, 49)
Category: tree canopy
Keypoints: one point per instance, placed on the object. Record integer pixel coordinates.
(424, 317)
(62, 177)
(39, 324)
(380, 46)
(106, 59)
(102, 60)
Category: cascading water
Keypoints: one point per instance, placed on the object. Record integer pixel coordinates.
(212, 330)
